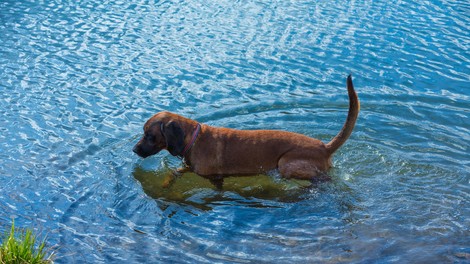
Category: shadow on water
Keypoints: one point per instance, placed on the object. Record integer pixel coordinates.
(198, 191)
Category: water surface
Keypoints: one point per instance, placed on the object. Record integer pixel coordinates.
(79, 79)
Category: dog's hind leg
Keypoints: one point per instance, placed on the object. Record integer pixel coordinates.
(297, 166)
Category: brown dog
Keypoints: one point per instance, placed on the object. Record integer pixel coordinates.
(217, 152)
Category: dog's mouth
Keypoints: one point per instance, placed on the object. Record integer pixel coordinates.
(137, 151)
(143, 151)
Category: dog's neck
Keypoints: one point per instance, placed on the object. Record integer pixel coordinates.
(192, 141)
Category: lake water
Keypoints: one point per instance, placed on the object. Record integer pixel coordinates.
(79, 78)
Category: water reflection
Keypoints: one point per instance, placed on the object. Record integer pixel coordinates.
(198, 191)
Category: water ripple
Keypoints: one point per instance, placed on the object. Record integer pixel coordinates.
(78, 79)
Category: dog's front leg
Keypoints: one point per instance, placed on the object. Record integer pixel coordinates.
(173, 175)
(182, 170)
(217, 181)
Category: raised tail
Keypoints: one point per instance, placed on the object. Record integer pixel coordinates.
(348, 126)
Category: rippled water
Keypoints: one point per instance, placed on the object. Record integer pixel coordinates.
(79, 78)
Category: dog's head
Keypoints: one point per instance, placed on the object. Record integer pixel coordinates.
(163, 131)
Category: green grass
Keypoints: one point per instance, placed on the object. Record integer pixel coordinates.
(19, 247)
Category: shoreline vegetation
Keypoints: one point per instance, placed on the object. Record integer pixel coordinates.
(19, 246)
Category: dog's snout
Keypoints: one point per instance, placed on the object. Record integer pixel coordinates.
(134, 149)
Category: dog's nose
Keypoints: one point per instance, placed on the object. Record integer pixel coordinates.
(135, 149)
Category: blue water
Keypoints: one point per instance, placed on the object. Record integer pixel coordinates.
(79, 78)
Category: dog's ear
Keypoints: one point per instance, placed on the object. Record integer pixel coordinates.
(174, 137)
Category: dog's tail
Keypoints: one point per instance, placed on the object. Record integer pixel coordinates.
(348, 126)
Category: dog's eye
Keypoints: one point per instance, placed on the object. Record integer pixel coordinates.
(148, 137)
